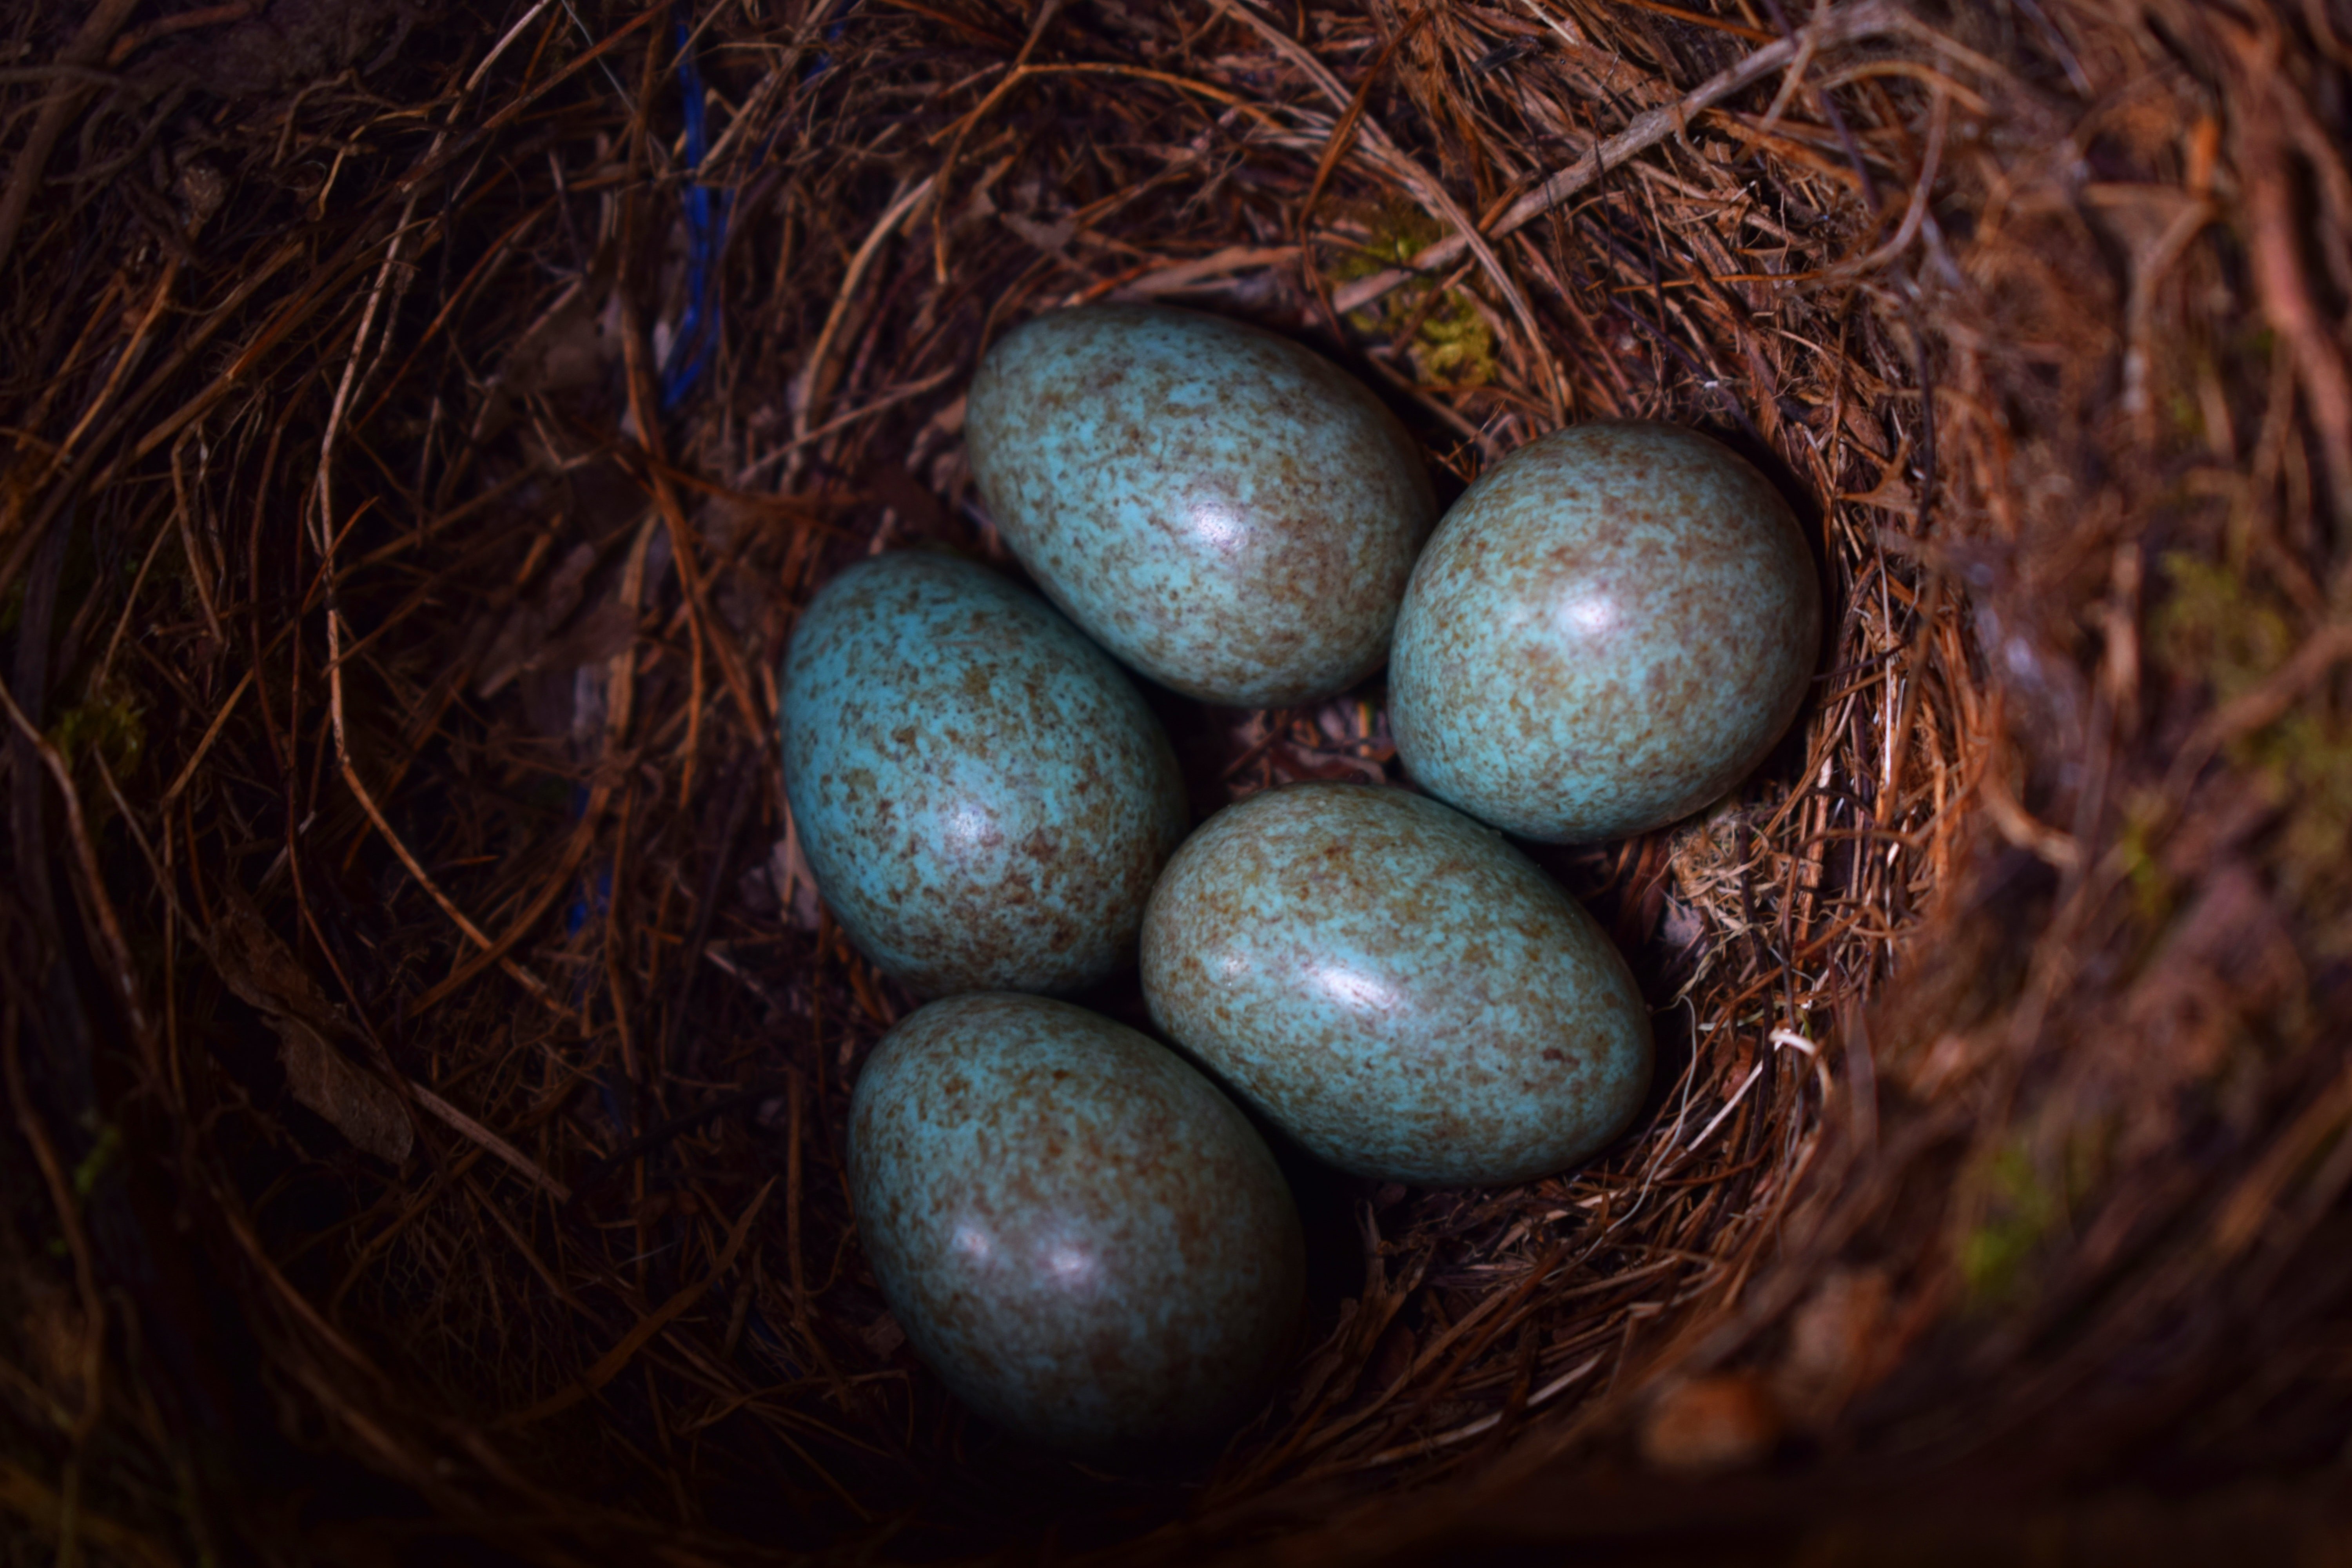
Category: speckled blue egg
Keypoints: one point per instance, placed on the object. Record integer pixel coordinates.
(1396, 987)
(1087, 1242)
(1610, 630)
(1226, 511)
(982, 796)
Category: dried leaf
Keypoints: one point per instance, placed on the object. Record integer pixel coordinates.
(1837, 1344)
(359, 1107)
(573, 346)
(1710, 1425)
(521, 641)
(258, 968)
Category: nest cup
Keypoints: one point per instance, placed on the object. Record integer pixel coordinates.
(426, 1051)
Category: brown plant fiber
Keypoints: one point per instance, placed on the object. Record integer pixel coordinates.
(424, 1052)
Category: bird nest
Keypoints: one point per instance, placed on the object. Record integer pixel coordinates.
(427, 1055)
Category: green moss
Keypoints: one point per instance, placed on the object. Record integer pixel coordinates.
(1400, 231)
(94, 1164)
(2020, 1210)
(2217, 627)
(2026, 1203)
(2306, 759)
(2151, 886)
(1453, 345)
(115, 727)
(2187, 419)
(1456, 345)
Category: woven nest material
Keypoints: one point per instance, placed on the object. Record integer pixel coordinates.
(426, 1055)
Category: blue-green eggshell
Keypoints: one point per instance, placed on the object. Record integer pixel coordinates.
(982, 794)
(1227, 512)
(1087, 1241)
(1610, 630)
(1396, 987)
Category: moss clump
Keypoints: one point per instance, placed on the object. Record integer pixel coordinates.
(113, 726)
(2020, 1212)
(2305, 762)
(1452, 343)
(2219, 628)
(94, 1165)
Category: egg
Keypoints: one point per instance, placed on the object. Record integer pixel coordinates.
(1227, 512)
(1611, 627)
(983, 797)
(1396, 987)
(1087, 1242)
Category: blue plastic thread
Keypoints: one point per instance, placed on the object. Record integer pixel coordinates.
(707, 212)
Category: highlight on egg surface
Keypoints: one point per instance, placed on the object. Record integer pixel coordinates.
(1396, 987)
(1079, 1234)
(1229, 513)
(982, 796)
(1611, 628)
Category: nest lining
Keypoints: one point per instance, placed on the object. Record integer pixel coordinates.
(424, 441)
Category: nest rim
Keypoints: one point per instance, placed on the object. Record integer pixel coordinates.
(533, 990)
